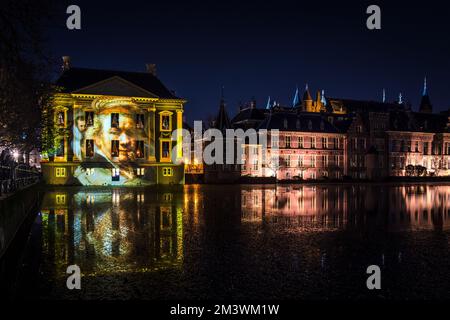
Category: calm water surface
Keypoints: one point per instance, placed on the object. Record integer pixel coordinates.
(262, 242)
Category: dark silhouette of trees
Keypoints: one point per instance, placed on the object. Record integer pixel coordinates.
(25, 73)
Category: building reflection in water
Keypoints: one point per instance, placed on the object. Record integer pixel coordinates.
(112, 230)
(337, 207)
(136, 230)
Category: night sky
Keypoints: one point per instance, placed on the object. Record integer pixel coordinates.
(265, 48)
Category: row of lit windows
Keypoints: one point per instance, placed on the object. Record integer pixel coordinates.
(61, 172)
(166, 124)
(311, 142)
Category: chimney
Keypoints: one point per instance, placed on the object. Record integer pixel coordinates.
(66, 63)
(151, 68)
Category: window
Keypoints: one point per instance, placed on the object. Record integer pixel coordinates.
(114, 148)
(417, 146)
(313, 142)
(300, 161)
(60, 172)
(167, 172)
(89, 148)
(165, 150)
(288, 161)
(324, 143)
(300, 142)
(61, 198)
(114, 120)
(288, 142)
(165, 122)
(89, 116)
(61, 148)
(255, 164)
(115, 174)
(139, 149)
(140, 121)
(313, 161)
(60, 118)
(255, 151)
(140, 172)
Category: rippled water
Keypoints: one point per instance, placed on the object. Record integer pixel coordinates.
(264, 242)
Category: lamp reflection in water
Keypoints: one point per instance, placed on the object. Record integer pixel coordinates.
(112, 230)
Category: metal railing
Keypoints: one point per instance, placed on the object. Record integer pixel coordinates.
(16, 177)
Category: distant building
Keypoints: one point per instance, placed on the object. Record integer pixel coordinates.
(114, 128)
(222, 172)
(329, 138)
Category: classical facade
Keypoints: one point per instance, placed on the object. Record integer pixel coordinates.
(114, 128)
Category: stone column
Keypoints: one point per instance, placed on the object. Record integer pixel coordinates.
(151, 133)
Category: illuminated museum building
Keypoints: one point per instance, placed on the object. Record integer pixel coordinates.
(114, 128)
(328, 138)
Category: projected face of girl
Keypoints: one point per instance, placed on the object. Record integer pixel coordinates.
(125, 131)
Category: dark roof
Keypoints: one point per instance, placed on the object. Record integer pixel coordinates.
(298, 121)
(306, 95)
(417, 122)
(425, 104)
(249, 114)
(77, 78)
(343, 124)
(362, 106)
(429, 122)
(222, 121)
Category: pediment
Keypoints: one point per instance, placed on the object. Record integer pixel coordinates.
(116, 86)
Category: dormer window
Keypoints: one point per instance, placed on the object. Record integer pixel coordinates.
(285, 123)
(310, 125)
(297, 124)
(322, 125)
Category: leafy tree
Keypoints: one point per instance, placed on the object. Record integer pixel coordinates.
(25, 72)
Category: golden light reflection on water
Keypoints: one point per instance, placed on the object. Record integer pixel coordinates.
(116, 230)
(139, 230)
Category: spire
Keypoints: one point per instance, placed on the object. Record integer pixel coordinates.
(400, 98)
(222, 97)
(306, 95)
(222, 121)
(268, 103)
(324, 100)
(425, 103)
(253, 103)
(296, 100)
(424, 93)
(384, 95)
